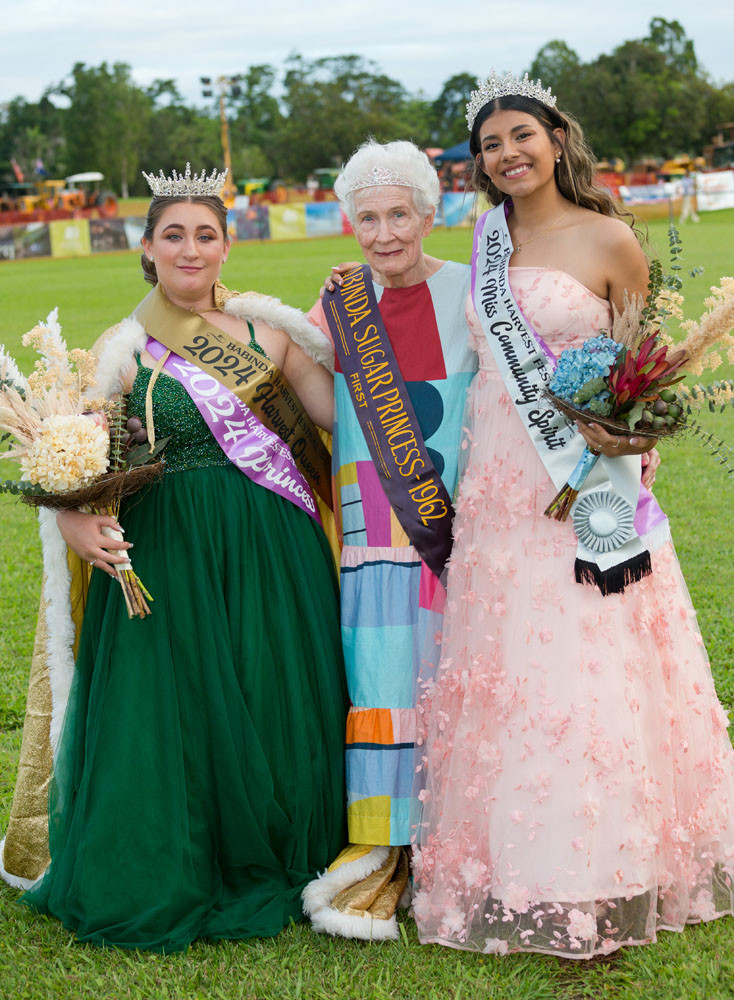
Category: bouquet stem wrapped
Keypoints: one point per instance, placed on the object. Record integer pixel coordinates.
(560, 506)
(132, 586)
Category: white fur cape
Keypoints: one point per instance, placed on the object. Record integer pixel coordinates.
(115, 356)
(326, 919)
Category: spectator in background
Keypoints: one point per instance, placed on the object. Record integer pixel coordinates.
(688, 189)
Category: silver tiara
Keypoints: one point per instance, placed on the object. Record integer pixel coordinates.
(184, 185)
(377, 177)
(503, 86)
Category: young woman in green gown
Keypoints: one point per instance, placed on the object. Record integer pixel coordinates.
(198, 782)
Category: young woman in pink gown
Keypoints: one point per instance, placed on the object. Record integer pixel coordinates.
(576, 771)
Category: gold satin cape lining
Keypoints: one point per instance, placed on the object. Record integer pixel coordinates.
(25, 853)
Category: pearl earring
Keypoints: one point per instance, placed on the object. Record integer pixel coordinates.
(558, 157)
(151, 258)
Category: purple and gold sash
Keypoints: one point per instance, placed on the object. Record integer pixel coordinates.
(251, 410)
(385, 413)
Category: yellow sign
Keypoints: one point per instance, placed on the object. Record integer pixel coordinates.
(70, 238)
(287, 222)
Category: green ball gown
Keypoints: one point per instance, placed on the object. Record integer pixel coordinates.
(199, 781)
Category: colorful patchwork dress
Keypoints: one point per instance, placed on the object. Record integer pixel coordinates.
(386, 590)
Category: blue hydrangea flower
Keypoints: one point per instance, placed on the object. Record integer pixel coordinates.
(579, 365)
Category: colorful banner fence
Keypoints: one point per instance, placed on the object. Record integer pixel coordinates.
(298, 221)
(646, 194)
(714, 191)
(457, 209)
(302, 220)
(30, 240)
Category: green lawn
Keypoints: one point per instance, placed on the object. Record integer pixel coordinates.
(38, 959)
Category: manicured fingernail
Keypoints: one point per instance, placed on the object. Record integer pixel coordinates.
(120, 528)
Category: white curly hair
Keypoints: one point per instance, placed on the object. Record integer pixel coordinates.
(377, 164)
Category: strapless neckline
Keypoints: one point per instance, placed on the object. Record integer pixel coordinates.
(557, 270)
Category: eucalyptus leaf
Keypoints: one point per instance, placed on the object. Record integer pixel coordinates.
(138, 455)
(634, 414)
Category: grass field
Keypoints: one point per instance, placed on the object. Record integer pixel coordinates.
(38, 959)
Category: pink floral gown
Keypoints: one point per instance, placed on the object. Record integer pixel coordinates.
(579, 778)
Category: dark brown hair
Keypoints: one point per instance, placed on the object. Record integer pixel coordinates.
(576, 171)
(157, 207)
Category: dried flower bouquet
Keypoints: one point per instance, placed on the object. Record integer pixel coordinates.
(73, 448)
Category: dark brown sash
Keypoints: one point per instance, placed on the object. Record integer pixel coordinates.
(385, 413)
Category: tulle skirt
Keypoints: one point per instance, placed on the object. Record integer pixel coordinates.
(199, 783)
(576, 775)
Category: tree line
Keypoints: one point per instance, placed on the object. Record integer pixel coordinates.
(649, 97)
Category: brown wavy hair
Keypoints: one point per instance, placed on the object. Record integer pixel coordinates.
(576, 171)
(157, 207)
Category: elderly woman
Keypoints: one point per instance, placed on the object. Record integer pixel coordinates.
(389, 564)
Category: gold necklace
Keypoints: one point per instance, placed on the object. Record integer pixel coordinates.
(518, 248)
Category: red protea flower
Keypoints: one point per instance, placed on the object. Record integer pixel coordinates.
(641, 376)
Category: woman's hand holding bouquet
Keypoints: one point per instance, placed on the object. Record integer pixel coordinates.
(76, 454)
(626, 389)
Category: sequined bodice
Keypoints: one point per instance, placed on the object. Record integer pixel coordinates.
(191, 444)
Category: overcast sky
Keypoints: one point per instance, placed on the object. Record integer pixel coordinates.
(418, 42)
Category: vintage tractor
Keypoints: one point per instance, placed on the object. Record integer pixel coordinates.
(87, 188)
(20, 196)
(78, 196)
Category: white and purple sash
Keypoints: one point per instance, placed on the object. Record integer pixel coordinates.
(246, 402)
(526, 365)
(246, 441)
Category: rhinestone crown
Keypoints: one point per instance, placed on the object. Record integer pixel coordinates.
(503, 86)
(377, 177)
(178, 185)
